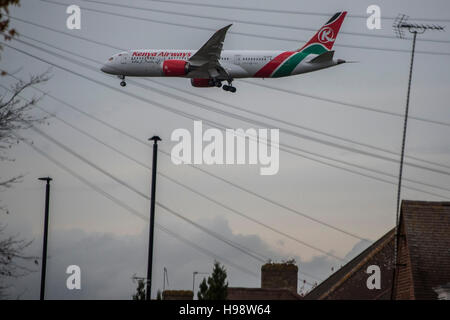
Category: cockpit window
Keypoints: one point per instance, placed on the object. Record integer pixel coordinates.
(110, 59)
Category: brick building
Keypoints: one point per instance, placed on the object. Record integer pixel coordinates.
(422, 269)
(350, 281)
(177, 295)
(278, 282)
(423, 260)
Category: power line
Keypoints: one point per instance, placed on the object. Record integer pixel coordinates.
(256, 221)
(72, 35)
(177, 182)
(201, 170)
(261, 258)
(211, 254)
(269, 200)
(216, 235)
(234, 20)
(345, 104)
(250, 112)
(304, 215)
(296, 125)
(255, 113)
(239, 247)
(200, 194)
(240, 33)
(289, 151)
(244, 189)
(332, 101)
(130, 209)
(245, 250)
(242, 118)
(277, 10)
(125, 184)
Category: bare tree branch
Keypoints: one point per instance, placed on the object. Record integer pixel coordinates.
(12, 259)
(15, 112)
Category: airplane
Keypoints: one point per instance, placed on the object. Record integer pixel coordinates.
(210, 65)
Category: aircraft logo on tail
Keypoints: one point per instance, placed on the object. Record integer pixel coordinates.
(326, 35)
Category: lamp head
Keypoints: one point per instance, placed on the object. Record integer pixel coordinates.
(155, 139)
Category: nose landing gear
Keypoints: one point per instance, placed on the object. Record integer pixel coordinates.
(122, 83)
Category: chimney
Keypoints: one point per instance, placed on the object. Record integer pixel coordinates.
(177, 295)
(279, 276)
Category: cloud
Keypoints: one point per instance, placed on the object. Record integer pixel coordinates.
(108, 261)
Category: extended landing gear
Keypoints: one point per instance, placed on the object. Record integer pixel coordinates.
(216, 83)
(229, 87)
(122, 83)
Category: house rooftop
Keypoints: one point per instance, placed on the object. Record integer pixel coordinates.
(341, 278)
(426, 228)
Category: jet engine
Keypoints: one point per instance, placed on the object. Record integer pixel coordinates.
(175, 68)
(202, 83)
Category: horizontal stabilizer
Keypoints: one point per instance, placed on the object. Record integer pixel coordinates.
(324, 57)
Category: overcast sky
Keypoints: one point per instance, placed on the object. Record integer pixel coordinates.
(110, 244)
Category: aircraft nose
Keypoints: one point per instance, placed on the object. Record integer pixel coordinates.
(106, 68)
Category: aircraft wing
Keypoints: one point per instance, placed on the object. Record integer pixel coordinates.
(205, 62)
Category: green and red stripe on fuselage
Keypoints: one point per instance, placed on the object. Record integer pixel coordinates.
(285, 63)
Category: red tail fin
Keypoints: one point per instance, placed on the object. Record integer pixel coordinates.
(328, 33)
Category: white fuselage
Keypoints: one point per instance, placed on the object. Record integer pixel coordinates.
(237, 63)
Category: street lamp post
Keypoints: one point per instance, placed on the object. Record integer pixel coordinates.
(193, 279)
(155, 140)
(44, 246)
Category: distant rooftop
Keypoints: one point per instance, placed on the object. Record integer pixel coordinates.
(425, 227)
(343, 285)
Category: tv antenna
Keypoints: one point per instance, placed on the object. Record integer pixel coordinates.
(401, 24)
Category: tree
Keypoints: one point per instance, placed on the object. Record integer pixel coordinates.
(216, 287)
(14, 111)
(7, 32)
(14, 115)
(203, 290)
(140, 291)
(11, 252)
